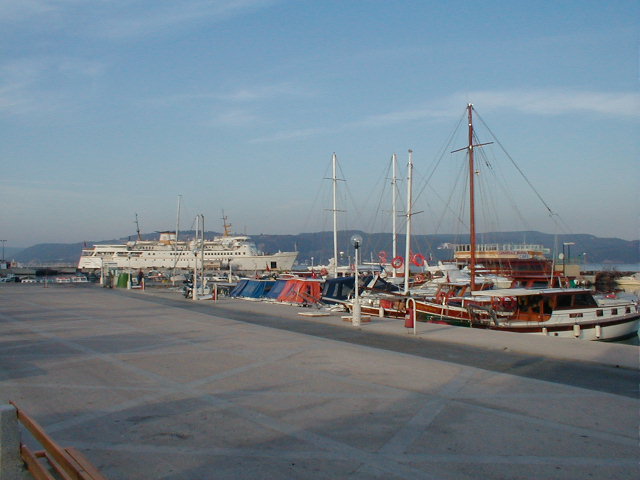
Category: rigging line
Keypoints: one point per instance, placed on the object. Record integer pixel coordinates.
(425, 181)
(382, 180)
(501, 182)
(459, 212)
(552, 214)
(350, 195)
(514, 163)
(314, 204)
(444, 149)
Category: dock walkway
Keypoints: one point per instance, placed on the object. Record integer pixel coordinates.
(149, 385)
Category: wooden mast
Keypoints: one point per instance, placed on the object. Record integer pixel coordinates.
(472, 211)
(407, 254)
(335, 216)
(394, 238)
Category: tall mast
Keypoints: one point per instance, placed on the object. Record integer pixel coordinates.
(472, 210)
(178, 220)
(226, 226)
(138, 228)
(334, 179)
(407, 260)
(394, 237)
(198, 248)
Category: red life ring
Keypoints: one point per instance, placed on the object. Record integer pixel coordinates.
(509, 303)
(382, 256)
(397, 262)
(418, 260)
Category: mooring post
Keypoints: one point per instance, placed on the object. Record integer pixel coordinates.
(11, 465)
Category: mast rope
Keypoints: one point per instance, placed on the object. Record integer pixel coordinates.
(515, 164)
(552, 214)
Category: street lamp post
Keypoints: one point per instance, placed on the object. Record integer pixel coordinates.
(564, 258)
(129, 272)
(356, 241)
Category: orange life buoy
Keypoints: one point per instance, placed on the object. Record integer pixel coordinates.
(418, 260)
(397, 262)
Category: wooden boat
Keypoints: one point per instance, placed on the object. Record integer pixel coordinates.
(557, 312)
(561, 312)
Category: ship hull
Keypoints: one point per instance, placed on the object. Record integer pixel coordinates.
(609, 326)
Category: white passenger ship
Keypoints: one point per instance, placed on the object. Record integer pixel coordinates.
(235, 252)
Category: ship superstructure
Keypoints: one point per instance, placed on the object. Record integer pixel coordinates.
(235, 252)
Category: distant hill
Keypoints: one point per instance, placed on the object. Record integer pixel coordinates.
(319, 245)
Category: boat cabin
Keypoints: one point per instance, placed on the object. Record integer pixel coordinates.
(538, 305)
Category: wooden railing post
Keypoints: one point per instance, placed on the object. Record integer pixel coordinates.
(67, 463)
(11, 465)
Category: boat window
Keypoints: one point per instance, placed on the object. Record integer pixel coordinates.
(529, 302)
(564, 301)
(585, 300)
(546, 305)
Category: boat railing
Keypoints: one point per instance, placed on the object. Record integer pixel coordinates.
(482, 314)
(506, 247)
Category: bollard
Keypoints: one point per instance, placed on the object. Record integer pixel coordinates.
(11, 465)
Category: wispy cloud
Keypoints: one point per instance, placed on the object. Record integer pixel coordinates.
(26, 84)
(293, 134)
(529, 101)
(11, 10)
(550, 102)
(147, 18)
(557, 101)
(226, 103)
(402, 116)
(124, 19)
(235, 118)
(248, 94)
(265, 92)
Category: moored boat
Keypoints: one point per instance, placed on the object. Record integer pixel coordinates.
(560, 312)
(557, 312)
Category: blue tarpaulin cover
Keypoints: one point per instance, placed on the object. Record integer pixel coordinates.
(248, 288)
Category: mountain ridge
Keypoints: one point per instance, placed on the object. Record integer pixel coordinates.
(583, 248)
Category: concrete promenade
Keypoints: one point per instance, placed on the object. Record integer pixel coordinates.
(149, 385)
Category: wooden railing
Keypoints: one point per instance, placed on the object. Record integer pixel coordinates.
(53, 462)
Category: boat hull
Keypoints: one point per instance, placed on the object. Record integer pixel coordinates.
(608, 327)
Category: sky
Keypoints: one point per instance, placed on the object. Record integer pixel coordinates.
(110, 109)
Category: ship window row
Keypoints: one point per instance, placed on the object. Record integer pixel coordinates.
(207, 253)
(133, 254)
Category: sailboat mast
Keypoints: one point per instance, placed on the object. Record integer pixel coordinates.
(472, 212)
(178, 220)
(407, 260)
(394, 238)
(335, 217)
(138, 228)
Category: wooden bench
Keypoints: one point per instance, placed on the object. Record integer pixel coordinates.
(59, 463)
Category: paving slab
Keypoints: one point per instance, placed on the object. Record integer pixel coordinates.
(149, 385)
